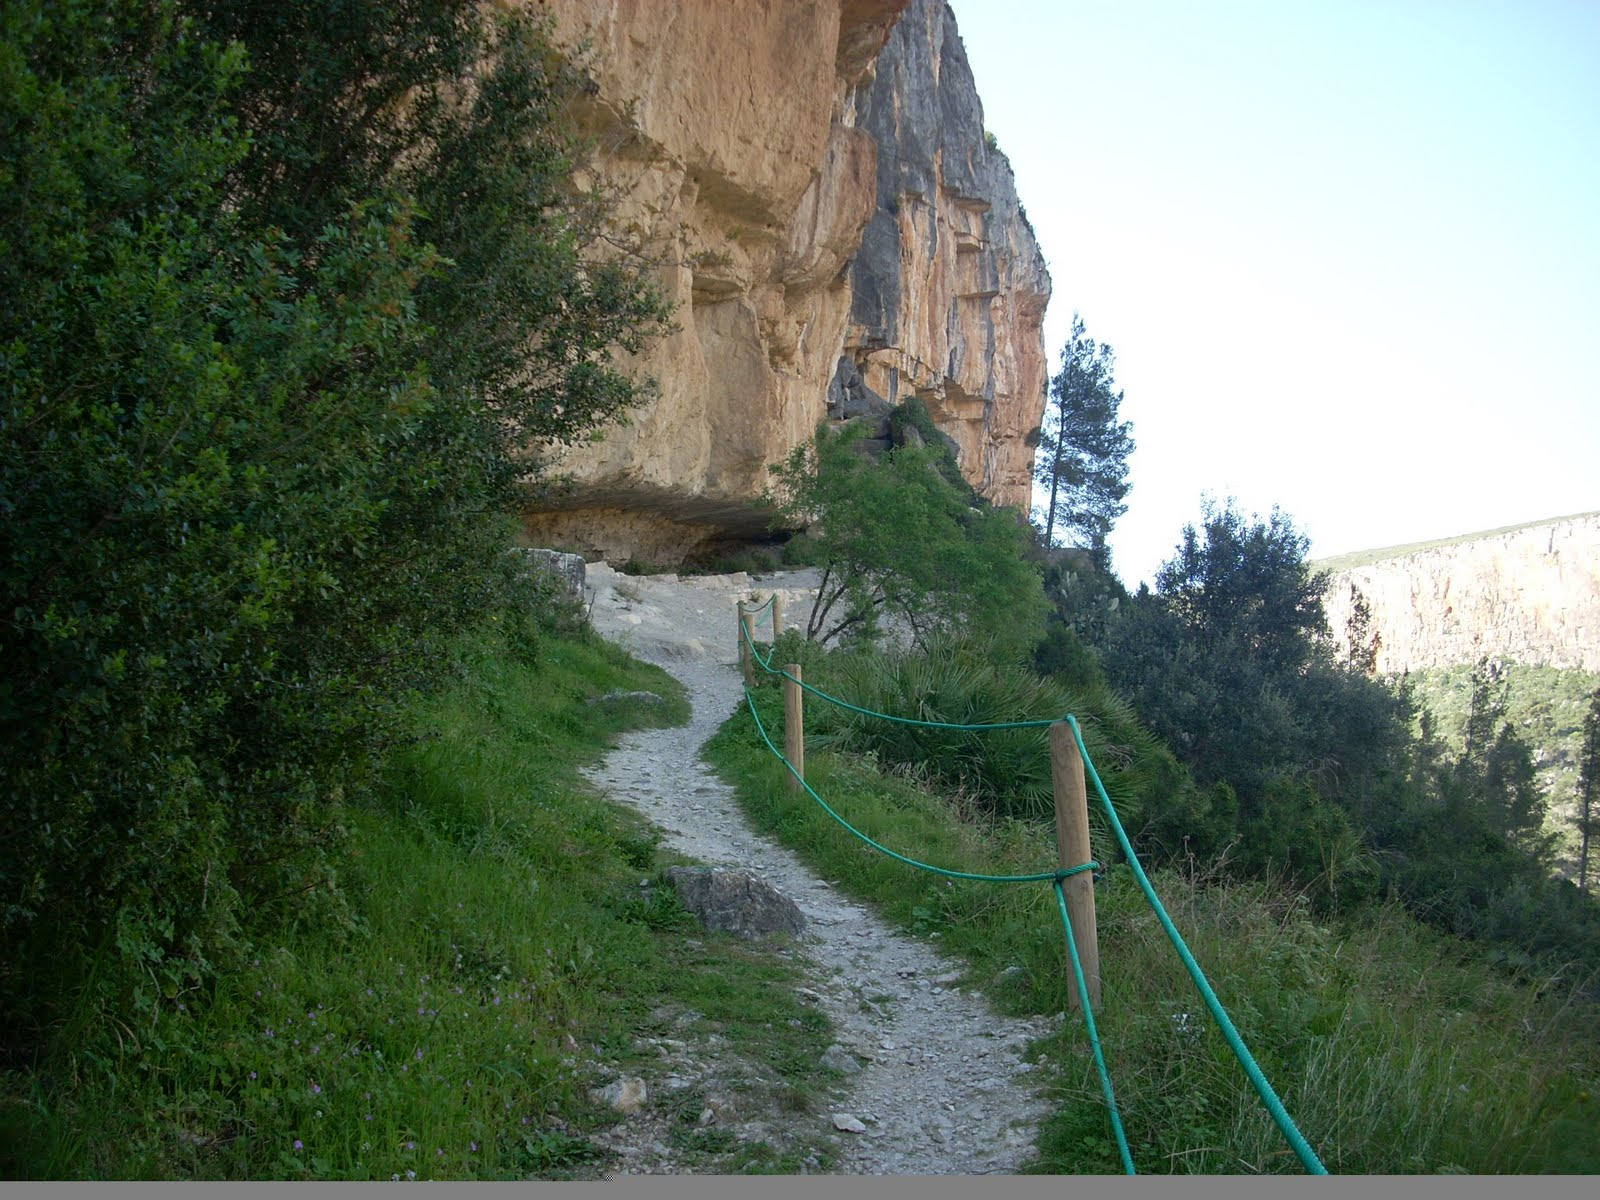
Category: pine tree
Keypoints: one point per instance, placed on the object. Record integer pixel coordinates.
(1083, 448)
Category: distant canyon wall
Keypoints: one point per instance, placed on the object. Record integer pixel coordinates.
(837, 232)
(1531, 595)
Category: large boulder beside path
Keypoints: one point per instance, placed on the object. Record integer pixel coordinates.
(735, 901)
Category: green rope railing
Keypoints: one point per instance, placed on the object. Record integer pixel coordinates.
(1302, 1148)
(1057, 879)
(1039, 877)
(766, 665)
(1094, 1034)
(1280, 1116)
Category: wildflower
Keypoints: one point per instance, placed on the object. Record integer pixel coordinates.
(252, 1074)
(474, 1146)
(419, 1055)
(411, 1174)
(316, 1088)
(299, 1145)
(411, 1145)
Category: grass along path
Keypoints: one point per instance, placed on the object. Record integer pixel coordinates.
(492, 964)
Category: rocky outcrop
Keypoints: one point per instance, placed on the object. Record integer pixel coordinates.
(735, 901)
(1529, 594)
(838, 234)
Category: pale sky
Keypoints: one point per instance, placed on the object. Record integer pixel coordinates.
(1347, 252)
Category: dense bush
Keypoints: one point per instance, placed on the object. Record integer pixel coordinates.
(1002, 773)
(260, 419)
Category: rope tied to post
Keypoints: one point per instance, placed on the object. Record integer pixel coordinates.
(1058, 878)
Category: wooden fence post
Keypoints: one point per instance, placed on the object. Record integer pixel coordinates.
(747, 641)
(794, 725)
(1072, 842)
(777, 616)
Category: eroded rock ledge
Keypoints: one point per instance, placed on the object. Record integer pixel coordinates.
(838, 234)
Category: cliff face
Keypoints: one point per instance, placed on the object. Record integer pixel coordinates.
(815, 182)
(1531, 595)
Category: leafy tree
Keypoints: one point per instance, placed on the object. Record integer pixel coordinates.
(1083, 448)
(1228, 662)
(260, 424)
(894, 535)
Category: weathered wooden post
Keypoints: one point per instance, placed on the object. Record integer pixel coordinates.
(794, 725)
(777, 617)
(1072, 842)
(747, 641)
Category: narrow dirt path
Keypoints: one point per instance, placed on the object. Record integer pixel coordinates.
(943, 1089)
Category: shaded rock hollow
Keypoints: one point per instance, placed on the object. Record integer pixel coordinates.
(837, 232)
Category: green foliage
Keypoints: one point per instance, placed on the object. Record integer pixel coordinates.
(260, 421)
(1227, 664)
(1083, 449)
(894, 536)
(1004, 773)
(1546, 708)
(499, 949)
(1588, 789)
(1393, 1051)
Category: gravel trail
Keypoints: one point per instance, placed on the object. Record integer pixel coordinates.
(943, 1088)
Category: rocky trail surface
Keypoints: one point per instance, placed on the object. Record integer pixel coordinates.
(937, 1083)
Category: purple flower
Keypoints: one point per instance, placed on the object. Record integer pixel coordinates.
(474, 1146)
(299, 1145)
(316, 1088)
(419, 1055)
(252, 1074)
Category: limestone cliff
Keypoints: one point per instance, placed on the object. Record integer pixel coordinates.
(837, 232)
(1529, 594)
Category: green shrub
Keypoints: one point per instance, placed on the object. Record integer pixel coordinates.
(264, 389)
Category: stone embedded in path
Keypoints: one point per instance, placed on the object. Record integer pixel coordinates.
(840, 1059)
(845, 1123)
(646, 699)
(625, 1095)
(735, 901)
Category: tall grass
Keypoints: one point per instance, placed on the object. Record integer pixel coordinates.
(500, 951)
(1394, 1050)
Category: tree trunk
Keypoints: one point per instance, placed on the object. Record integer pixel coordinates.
(1055, 486)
